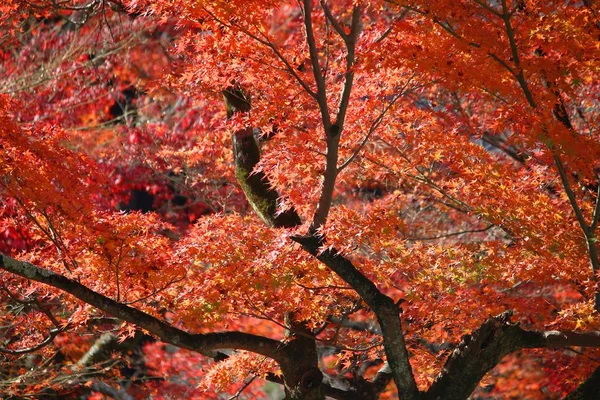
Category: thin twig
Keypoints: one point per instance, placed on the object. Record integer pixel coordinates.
(450, 234)
(374, 125)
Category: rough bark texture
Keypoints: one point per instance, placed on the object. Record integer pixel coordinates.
(481, 351)
(302, 378)
(474, 357)
(246, 155)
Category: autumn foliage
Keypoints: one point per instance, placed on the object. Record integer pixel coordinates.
(256, 199)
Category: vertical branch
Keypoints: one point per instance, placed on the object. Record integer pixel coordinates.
(316, 66)
(561, 115)
(519, 74)
(333, 131)
(350, 58)
(328, 187)
(589, 231)
(596, 214)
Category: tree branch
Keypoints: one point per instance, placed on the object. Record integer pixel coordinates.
(560, 113)
(246, 155)
(385, 309)
(518, 73)
(424, 238)
(570, 195)
(53, 333)
(266, 42)
(374, 125)
(350, 58)
(167, 333)
(334, 22)
(596, 214)
(481, 351)
(316, 66)
(382, 378)
(334, 131)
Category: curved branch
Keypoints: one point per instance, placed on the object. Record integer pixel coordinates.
(196, 342)
(481, 351)
(385, 309)
(263, 198)
(42, 344)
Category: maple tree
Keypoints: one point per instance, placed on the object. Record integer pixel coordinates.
(347, 199)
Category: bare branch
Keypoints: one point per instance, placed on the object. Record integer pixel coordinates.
(244, 387)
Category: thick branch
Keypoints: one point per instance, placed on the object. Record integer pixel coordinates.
(382, 378)
(167, 333)
(104, 344)
(246, 155)
(385, 309)
(302, 378)
(481, 351)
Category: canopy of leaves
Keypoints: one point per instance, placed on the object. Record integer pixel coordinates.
(444, 157)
